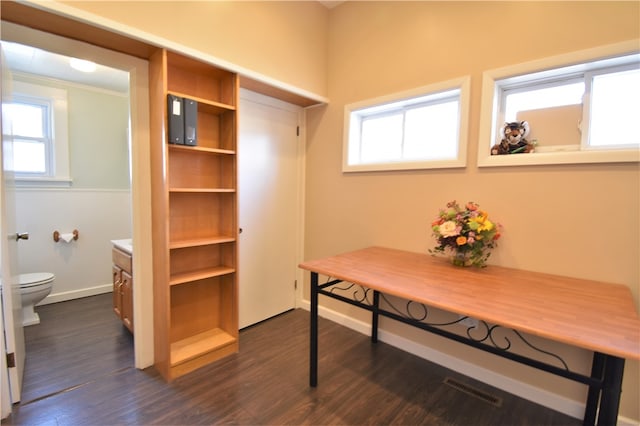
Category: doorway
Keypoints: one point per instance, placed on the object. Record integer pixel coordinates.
(137, 174)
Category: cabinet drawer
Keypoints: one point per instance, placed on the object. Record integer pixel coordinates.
(122, 259)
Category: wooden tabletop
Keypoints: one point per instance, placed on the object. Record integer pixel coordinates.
(589, 314)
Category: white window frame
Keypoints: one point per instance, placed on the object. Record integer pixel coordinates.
(58, 154)
(352, 120)
(45, 106)
(577, 62)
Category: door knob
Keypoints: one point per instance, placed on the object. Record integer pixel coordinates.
(22, 236)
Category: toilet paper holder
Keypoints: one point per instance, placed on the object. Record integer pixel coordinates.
(56, 235)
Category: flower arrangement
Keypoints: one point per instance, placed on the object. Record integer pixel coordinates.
(466, 233)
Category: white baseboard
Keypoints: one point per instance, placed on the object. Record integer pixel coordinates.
(77, 294)
(523, 390)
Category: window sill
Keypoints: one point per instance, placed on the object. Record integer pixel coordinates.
(408, 165)
(25, 182)
(560, 157)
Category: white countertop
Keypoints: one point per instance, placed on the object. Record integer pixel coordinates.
(124, 245)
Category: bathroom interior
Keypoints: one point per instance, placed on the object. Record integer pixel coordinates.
(73, 222)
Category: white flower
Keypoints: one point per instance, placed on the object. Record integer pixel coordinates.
(449, 229)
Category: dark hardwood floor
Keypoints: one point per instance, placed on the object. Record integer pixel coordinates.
(80, 371)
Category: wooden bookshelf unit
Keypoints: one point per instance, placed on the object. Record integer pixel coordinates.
(194, 217)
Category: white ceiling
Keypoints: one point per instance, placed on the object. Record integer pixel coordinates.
(26, 59)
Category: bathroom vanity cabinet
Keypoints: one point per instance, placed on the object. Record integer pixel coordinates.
(194, 212)
(123, 287)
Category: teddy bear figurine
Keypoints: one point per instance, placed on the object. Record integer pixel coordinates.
(514, 139)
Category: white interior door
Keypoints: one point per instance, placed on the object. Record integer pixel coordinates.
(268, 170)
(11, 305)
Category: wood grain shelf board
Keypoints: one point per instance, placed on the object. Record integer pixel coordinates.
(201, 242)
(200, 274)
(199, 344)
(201, 149)
(226, 190)
(206, 104)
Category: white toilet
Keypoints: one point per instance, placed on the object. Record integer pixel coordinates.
(33, 289)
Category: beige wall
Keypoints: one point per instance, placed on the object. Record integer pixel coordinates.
(576, 220)
(283, 40)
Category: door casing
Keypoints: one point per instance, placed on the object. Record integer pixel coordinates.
(140, 167)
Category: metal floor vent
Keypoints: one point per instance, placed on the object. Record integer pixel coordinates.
(475, 392)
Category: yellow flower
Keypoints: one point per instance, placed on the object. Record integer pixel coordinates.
(482, 221)
(486, 226)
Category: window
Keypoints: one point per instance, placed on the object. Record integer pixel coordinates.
(29, 121)
(614, 101)
(578, 107)
(418, 129)
(36, 118)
